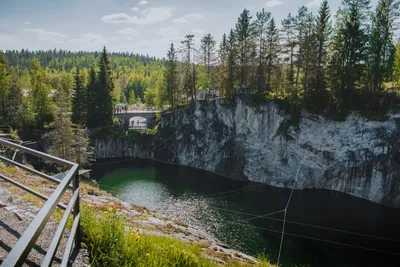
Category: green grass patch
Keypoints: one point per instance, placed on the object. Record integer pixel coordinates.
(112, 243)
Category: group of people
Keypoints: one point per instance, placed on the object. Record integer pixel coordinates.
(121, 109)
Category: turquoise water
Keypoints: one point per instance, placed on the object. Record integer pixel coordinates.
(223, 208)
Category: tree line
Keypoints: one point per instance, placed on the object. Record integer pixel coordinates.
(306, 61)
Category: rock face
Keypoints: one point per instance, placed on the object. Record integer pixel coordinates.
(356, 156)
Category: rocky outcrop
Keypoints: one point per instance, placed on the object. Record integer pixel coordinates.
(356, 156)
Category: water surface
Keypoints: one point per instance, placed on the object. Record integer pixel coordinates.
(227, 209)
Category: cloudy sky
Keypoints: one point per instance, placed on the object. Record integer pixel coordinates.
(139, 26)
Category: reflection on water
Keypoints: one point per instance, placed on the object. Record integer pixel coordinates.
(226, 208)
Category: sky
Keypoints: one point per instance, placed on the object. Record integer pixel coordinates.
(138, 26)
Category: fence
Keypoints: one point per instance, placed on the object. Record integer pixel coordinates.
(20, 252)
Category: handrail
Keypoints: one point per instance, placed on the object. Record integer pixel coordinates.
(21, 250)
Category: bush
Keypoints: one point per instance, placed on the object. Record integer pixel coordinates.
(111, 244)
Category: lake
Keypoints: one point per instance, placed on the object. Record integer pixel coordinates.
(323, 228)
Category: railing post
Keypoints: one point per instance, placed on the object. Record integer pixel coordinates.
(77, 210)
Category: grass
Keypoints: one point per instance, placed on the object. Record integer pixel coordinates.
(112, 243)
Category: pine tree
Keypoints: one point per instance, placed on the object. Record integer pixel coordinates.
(4, 88)
(79, 107)
(272, 48)
(349, 47)
(289, 32)
(132, 98)
(91, 103)
(82, 149)
(19, 112)
(244, 35)
(301, 29)
(262, 23)
(207, 55)
(322, 36)
(61, 129)
(231, 65)
(40, 99)
(170, 76)
(190, 79)
(103, 96)
(381, 46)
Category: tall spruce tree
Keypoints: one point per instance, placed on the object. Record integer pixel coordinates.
(190, 79)
(207, 55)
(262, 23)
(91, 103)
(322, 39)
(272, 49)
(171, 76)
(19, 112)
(290, 42)
(245, 32)
(382, 47)
(349, 47)
(103, 96)
(301, 32)
(231, 65)
(79, 105)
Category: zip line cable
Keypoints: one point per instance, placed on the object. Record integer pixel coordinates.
(285, 210)
(317, 239)
(266, 216)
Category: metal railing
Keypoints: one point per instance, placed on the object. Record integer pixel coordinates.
(18, 255)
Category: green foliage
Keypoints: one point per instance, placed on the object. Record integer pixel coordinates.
(397, 65)
(61, 131)
(171, 77)
(40, 101)
(132, 98)
(79, 104)
(91, 102)
(4, 88)
(103, 98)
(381, 46)
(111, 243)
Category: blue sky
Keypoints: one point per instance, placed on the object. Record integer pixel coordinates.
(139, 26)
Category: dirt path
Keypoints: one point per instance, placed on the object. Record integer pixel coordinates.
(15, 216)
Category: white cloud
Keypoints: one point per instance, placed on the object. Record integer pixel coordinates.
(128, 32)
(198, 31)
(181, 20)
(273, 3)
(187, 17)
(135, 9)
(168, 31)
(45, 35)
(129, 38)
(313, 3)
(194, 16)
(143, 2)
(149, 16)
(27, 23)
(88, 41)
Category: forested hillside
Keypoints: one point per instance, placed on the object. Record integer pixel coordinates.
(303, 62)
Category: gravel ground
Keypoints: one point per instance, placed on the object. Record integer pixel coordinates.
(15, 216)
